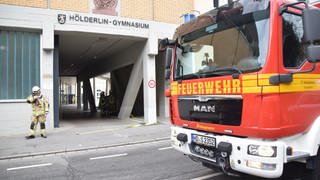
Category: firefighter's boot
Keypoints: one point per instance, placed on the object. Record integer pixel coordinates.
(32, 131)
(30, 137)
(43, 130)
(43, 135)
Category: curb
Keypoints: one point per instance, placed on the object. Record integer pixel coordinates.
(82, 149)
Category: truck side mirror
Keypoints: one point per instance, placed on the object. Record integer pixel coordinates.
(169, 53)
(164, 43)
(167, 93)
(311, 36)
(168, 74)
(215, 3)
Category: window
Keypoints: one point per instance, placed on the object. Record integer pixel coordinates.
(236, 42)
(19, 63)
(292, 32)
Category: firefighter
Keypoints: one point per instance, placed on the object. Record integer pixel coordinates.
(102, 100)
(111, 98)
(40, 109)
(111, 103)
(102, 103)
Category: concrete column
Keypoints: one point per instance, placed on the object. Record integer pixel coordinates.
(145, 64)
(85, 100)
(78, 95)
(116, 89)
(55, 115)
(149, 80)
(49, 73)
(150, 101)
(94, 90)
(107, 86)
(132, 89)
(162, 84)
(47, 86)
(89, 95)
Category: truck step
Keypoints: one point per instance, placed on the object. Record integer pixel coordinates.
(297, 155)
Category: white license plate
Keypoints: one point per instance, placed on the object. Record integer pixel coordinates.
(203, 140)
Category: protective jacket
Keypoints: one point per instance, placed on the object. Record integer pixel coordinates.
(40, 105)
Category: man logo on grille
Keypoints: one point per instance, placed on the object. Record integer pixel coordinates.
(62, 18)
(204, 108)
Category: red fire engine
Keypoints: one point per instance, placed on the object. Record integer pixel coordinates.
(245, 87)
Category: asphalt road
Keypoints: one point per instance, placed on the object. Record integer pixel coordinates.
(147, 161)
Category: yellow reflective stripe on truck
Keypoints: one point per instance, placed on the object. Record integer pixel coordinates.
(250, 84)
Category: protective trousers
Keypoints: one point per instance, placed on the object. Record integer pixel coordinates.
(35, 120)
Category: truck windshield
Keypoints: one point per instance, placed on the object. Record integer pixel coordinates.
(236, 42)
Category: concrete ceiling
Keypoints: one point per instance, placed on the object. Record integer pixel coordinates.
(78, 51)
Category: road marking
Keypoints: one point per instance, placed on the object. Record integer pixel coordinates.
(31, 166)
(160, 149)
(110, 156)
(207, 176)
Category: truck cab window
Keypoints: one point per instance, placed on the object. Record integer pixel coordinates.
(236, 41)
(292, 32)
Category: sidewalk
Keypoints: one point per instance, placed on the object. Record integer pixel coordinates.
(80, 135)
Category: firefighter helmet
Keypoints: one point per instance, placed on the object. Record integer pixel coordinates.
(35, 89)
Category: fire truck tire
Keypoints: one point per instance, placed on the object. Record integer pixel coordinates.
(292, 170)
(313, 174)
(316, 172)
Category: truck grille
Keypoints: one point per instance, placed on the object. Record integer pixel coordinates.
(224, 110)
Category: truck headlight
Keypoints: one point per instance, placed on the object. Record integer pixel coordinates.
(260, 165)
(261, 150)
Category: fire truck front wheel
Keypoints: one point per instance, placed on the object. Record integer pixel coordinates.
(313, 174)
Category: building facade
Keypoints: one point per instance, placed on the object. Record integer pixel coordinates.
(43, 40)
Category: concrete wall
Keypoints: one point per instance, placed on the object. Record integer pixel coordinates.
(158, 10)
(34, 3)
(19, 123)
(171, 11)
(70, 5)
(16, 119)
(140, 9)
